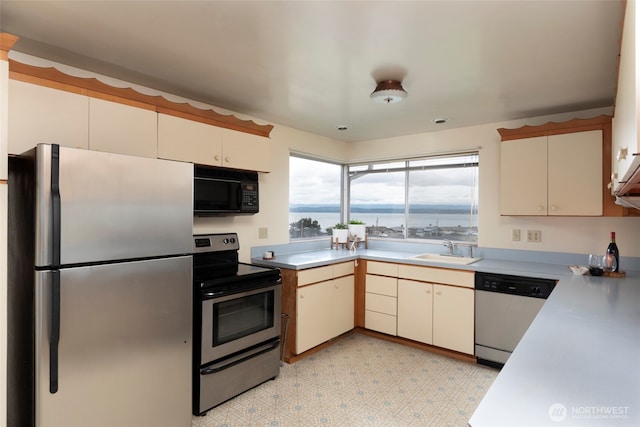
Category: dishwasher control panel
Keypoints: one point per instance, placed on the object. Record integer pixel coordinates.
(515, 285)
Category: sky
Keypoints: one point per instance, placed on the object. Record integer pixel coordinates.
(313, 182)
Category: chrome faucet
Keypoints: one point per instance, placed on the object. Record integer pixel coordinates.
(449, 245)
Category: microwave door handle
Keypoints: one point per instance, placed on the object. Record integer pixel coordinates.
(239, 197)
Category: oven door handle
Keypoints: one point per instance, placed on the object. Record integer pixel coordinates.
(210, 371)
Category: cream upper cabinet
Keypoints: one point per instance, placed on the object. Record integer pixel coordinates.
(245, 151)
(39, 114)
(453, 318)
(415, 310)
(192, 141)
(123, 129)
(552, 175)
(575, 174)
(189, 141)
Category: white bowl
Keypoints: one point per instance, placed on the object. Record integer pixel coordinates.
(578, 269)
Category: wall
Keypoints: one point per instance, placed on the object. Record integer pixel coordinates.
(274, 191)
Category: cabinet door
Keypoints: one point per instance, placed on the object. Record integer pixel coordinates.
(40, 114)
(341, 308)
(245, 151)
(313, 326)
(523, 176)
(453, 318)
(122, 129)
(575, 173)
(189, 141)
(415, 310)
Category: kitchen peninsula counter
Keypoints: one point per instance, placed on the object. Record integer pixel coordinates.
(577, 363)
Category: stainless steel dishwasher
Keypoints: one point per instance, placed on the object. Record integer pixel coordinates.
(505, 307)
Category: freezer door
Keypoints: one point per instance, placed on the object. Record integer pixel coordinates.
(109, 206)
(124, 354)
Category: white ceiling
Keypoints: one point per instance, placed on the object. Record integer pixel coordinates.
(311, 65)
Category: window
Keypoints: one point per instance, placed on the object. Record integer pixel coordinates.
(315, 194)
(432, 198)
(429, 198)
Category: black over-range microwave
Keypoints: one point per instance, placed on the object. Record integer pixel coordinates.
(219, 191)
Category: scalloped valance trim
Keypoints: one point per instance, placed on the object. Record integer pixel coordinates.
(555, 128)
(92, 87)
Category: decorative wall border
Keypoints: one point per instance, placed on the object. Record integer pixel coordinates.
(92, 87)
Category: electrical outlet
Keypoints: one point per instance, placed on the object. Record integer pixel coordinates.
(263, 233)
(515, 234)
(534, 236)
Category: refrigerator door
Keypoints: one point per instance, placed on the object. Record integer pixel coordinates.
(107, 207)
(125, 340)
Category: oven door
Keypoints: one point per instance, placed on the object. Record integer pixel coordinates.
(236, 321)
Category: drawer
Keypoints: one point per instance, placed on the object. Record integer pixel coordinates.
(343, 269)
(382, 268)
(381, 303)
(437, 275)
(382, 285)
(380, 322)
(313, 275)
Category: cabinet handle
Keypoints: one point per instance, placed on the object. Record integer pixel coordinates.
(336, 286)
(438, 293)
(428, 291)
(227, 159)
(554, 208)
(540, 208)
(216, 157)
(301, 296)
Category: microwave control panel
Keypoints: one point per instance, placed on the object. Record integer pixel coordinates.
(249, 197)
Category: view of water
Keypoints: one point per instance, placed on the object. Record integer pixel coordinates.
(391, 220)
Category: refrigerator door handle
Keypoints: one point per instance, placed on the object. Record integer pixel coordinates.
(56, 223)
(54, 334)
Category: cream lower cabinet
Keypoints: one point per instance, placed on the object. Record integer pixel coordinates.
(381, 304)
(415, 310)
(122, 129)
(39, 114)
(325, 304)
(437, 306)
(453, 318)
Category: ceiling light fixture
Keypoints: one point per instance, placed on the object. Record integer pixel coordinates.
(388, 92)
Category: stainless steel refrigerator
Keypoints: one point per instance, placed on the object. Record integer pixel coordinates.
(99, 293)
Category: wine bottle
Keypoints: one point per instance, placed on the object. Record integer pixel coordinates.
(612, 250)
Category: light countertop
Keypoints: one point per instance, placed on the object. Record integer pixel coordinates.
(577, 365)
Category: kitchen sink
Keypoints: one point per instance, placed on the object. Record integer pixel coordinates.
(449, 259)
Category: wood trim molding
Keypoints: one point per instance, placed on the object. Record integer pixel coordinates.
(555, 128)
(92, 87)
(6, 43)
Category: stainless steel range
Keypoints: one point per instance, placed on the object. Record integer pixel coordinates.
(236, 328)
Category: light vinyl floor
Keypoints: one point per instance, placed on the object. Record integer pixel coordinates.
(361, 381)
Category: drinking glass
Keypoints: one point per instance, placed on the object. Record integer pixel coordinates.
(609, 263)
(596, 264)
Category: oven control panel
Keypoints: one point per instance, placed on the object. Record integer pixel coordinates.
(215, 242)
